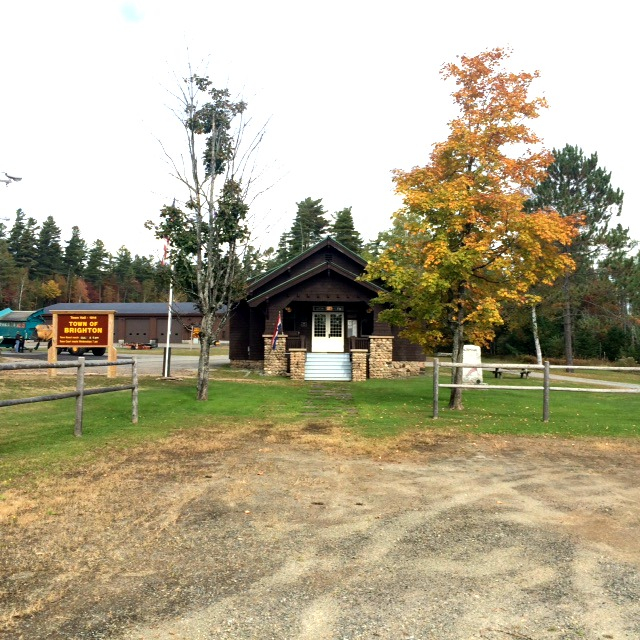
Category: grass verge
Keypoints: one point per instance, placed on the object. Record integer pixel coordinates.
(38, 438)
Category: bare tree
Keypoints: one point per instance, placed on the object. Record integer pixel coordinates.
(206, 235)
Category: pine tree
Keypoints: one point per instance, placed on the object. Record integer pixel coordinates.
(124, 274)
(49, 251)
(8, 276)
(576, 186)
(22, 240)
(97, 266)
(283, 253)
(343, 230)
(308, 227)
(75, 254)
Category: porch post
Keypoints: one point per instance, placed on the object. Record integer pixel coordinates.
(298, 363)
(275, 360)
(380, 356)
(359, 365)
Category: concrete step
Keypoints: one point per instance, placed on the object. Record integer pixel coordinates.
(328, 366)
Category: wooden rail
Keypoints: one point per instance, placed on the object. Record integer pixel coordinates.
(546, 387)
(80, 393)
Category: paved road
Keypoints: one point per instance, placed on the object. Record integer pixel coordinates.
(151, 364)
(148, 364)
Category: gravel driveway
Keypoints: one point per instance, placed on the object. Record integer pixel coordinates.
(269, 533)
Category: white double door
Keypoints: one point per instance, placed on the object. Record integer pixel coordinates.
(328, 332)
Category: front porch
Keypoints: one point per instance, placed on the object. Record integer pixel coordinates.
(367, 357)
(329, 321)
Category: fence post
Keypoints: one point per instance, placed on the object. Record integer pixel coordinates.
(80, 398)
(436, 384)
(134, 391)
(545, 393)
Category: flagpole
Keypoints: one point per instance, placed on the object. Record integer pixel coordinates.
(166, 361)
(167, 348)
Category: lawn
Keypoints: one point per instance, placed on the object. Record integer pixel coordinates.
(402, 404)
(35, 438)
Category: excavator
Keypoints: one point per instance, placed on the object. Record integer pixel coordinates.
(45, 334)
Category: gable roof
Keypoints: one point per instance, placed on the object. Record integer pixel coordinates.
(327, 242)
(306, 275)
(272, 283)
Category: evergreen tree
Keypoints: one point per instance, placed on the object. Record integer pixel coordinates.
(49, 251)
(8, 276)
(281, 254)
(144, 273)
(576, 186)
(343, 230)
(97, 267)
(124, 273)
(75, 254)
(17, 231)
(308, 227)
(22, 240)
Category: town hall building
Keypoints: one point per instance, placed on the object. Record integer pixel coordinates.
(330, 326)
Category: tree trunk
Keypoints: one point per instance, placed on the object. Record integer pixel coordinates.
(206, 341)
(536, 336)
(455, 399)
(568, 324)
(22, 285)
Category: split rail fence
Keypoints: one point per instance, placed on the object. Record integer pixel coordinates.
(81, 392)
(546, 387)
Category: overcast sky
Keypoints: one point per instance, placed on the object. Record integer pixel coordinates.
(351, 90)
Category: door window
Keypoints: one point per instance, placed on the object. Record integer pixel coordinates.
(320, 325)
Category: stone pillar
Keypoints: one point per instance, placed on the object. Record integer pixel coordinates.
(275, 360)
(359, 365)
(298, 363)
(380, 356)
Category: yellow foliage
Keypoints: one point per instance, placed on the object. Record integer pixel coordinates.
(466, 244)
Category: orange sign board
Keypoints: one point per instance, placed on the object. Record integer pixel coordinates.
(83, 330)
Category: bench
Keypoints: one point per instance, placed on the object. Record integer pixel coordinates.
(498, 372)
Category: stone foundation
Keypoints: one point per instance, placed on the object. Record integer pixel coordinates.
(253, 365)
(375, 363)
(380, 357)
(359, 365)
(298, 363)
(275, 360)
(406, 369)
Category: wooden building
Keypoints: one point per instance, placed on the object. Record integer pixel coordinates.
(331, 330)
(142, 322)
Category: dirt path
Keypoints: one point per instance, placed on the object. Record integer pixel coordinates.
(282, 535)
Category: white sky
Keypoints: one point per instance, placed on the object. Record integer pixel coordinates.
(351, 90)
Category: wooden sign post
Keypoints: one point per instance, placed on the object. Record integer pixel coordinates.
(83, 330)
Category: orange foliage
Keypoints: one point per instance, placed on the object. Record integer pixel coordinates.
(467, 244)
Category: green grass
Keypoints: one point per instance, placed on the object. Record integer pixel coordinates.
(402, 404)
(40, 436)
(37, 438)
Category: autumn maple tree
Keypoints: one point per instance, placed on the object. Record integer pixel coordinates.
(463, 243)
